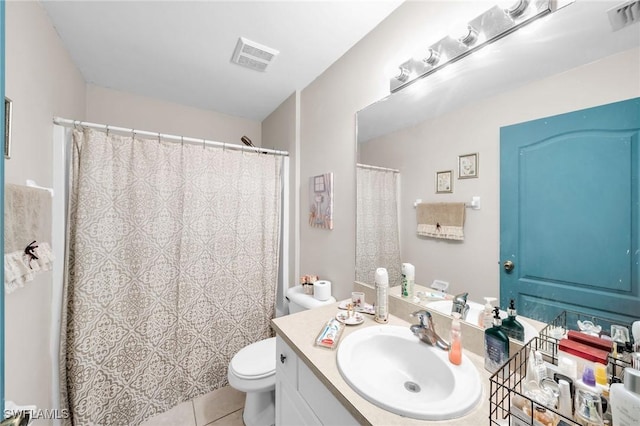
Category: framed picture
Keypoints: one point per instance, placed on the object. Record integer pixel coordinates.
(444, 182)
(321, 201)
(7, 128)
(468, 166)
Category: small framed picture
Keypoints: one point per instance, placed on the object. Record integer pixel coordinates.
(468, 166)
(444, 183)
(7, 128)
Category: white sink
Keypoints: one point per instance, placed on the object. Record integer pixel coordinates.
(391, 368)
(444, 306)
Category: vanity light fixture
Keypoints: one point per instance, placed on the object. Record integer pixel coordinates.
(495, 23)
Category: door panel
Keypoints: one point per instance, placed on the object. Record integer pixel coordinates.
(569, 213)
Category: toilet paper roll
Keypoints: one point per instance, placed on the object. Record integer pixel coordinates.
(322, 290)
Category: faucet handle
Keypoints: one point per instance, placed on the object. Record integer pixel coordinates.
(461, 298)
(423, 316)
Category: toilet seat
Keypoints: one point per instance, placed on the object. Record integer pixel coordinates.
(256, 361)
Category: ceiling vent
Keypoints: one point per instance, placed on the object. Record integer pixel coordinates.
(253, 55)
(625, 14)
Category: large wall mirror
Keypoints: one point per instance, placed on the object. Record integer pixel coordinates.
(567, 61)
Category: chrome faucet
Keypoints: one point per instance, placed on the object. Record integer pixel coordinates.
(460, 305)
(426, 332)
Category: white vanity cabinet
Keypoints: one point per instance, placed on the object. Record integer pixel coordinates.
(301, 398)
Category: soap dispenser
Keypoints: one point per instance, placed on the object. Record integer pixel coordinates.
(496, 344)
(455, 350)
(485, 319)
(511, 325)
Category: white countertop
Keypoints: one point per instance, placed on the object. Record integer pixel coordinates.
(300, 330)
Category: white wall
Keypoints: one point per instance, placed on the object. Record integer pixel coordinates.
(281, 131)
(108, 106)
(435, 144)
(42, 82)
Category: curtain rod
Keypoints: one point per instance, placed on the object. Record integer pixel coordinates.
(171, 138)
(384, 169)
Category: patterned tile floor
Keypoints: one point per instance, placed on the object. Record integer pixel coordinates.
(222, 407)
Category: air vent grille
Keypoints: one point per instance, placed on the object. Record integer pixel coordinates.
(253, 55)
(624, 14)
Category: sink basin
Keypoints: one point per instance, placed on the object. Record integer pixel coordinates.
(444, 306)
(388, 366)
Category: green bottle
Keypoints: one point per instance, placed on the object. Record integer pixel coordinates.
(496, 344)
(511, 325)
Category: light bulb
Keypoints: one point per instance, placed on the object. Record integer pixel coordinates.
(403, 74)
(514, 8)
(432, 57)
(468, 37)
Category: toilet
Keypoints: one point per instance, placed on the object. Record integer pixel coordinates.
(253, 369)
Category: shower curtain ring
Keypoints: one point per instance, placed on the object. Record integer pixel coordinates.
(107, 130)
(203, 143)
(159, 137)
(133, 133)
(182, 140)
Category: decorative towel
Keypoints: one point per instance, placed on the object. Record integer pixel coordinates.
(441, 220)
(27, 223)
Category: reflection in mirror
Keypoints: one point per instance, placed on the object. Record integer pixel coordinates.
(566, 61)
(378, 243)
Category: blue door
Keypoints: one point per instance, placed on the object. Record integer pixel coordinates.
(569, 224)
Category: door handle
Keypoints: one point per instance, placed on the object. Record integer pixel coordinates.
(508, 265)
(282, 358)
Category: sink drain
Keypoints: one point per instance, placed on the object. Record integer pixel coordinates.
(412, 387)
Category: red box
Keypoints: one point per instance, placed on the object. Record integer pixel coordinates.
(583, 351)
(593, 341)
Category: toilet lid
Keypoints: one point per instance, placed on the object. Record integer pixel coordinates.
(255, 361)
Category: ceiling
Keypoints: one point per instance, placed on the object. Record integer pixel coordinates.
(576, 34)
(180, 51)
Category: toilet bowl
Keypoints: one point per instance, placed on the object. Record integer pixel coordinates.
(253, 369)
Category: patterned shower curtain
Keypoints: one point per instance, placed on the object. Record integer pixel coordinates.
(377, 234)
(172, 268)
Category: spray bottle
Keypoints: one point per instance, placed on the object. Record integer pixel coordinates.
(382, 295)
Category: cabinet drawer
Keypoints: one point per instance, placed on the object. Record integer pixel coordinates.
(286, 363)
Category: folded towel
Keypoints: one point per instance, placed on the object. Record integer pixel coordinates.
(27, 221)
(441, 220)
(20, 268)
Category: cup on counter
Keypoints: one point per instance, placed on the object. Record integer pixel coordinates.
(357, 300)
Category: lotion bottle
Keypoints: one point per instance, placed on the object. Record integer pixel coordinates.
(496, 344)
(485, 319)
(455, 350)
(408, 279)
(382, 295)
(625, 399)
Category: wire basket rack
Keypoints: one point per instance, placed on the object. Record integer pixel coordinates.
(506, 384)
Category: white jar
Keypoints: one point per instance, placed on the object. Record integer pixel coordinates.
(625, 399)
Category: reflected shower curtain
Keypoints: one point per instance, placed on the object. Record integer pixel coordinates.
(172, 268)
(377, 235)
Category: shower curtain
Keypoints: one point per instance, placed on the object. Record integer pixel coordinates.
(172, 268)
(377, 235)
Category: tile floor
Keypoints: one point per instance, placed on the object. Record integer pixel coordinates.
(222, 407)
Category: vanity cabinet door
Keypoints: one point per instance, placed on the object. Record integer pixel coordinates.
(286, 363)
(291, 409)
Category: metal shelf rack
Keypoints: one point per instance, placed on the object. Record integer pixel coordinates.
(506, 385)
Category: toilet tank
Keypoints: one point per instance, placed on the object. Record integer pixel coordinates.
(299, 301)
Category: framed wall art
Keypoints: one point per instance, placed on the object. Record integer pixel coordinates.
(444, 182)
(321, 201)
(468, 166)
